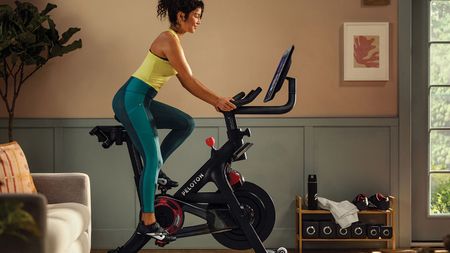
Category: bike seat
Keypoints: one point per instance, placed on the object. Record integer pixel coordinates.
(109, 135)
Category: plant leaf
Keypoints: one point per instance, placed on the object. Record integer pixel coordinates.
(26, 38)
(26, 222)
(36, 49)
(48, 8)
(58, 50)
(68, 34)
(5, 12)
(16, 221)
(52, 33)
(25, 12)
(27, 59)
(17, 234)
(36, 22)
(2, 226)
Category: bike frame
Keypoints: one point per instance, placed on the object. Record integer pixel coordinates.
(214, 170)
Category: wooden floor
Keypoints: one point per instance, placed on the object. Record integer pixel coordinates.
(290, 251)
(184, 251)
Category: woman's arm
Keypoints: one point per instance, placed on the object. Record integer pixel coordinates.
(175, 55)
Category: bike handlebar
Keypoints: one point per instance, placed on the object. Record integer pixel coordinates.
(239, 96)
(240, 101)
(247, 99)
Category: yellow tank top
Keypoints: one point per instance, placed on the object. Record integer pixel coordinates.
(155, 71)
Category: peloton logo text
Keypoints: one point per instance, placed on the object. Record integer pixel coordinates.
(192, 184)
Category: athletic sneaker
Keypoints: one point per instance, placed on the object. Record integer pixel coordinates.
(166, 181)
(361, 202)
(155, 231)
(379, 201)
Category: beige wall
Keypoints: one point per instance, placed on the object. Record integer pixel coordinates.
(236, 48)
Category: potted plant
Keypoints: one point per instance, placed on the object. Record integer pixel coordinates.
(28, 40)
(15, 222)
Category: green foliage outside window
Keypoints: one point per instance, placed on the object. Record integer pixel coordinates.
(440, 194)
(439, 111)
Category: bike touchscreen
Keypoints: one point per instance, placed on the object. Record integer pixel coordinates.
(280, 74)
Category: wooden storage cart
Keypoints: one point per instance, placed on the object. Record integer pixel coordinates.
(389, 221)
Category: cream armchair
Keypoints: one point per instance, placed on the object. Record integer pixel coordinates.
(62, 210)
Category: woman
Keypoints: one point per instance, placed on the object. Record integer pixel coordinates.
(141, 115)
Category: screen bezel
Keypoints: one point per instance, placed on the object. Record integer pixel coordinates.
(280, 74)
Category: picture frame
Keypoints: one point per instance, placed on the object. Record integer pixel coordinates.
(366, 51)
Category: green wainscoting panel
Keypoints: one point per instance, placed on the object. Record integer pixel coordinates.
(113, 191)
(351, 160)
(37, 144)
(349, 155)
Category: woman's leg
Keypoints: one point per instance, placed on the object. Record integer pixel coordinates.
(130, 105)
(180, 123)
(131, 109)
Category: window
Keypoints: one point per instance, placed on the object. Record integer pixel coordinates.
(439, 108)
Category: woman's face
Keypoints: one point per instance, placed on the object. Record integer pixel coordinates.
(192, 22)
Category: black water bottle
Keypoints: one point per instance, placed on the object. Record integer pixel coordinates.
(312, 192)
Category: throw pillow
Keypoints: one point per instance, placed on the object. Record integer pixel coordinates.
(15, 175)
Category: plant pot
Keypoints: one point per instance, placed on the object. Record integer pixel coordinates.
(13, 244)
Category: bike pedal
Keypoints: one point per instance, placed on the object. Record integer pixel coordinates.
(162, 181)
(164, 189)
(160, 243)
(167, 182)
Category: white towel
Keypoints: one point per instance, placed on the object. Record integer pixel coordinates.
(344, 213)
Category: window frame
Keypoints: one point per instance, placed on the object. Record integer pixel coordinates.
(430, 129)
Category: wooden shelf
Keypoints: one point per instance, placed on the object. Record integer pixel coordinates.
(345, 240)
(389, 220)
(303, 211)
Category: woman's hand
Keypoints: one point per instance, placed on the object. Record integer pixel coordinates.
(224, 104)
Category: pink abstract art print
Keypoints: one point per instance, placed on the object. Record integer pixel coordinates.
(366, 52)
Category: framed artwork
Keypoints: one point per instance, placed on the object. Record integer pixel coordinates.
(366, 51)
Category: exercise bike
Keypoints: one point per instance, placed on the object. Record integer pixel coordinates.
(240, 215)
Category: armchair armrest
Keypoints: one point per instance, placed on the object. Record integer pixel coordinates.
(64, 187)
(36, 205)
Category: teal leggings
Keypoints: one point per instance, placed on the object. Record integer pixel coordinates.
(135, 108)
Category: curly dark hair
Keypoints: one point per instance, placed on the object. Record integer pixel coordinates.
(172, 7)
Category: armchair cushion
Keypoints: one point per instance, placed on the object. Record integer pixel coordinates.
(15, 175)
(67, 224)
